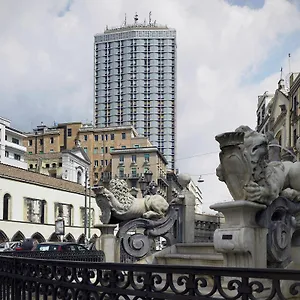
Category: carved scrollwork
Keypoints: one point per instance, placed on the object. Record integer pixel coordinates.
(138, 244)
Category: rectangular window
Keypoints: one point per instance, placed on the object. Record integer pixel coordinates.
(112, 136)
(15, 141)
(85, 149)
(133, 172)
(106, 149)
(136, 146)
(17, 157)
(106, 137)
(96, 163)
(85, 137)
(41, 142)
(51, 140)
(102, 162)
(106, 162)
(102, 150)
(133, 158)
(123, 147)
(112, 149)
(30, 143)
(6, 154)
(102, 137)
(121, 158)
(96, 138)
(95, 150)
(69, 131)
(51, 150)
(123, 135)
(6, 137)
(147, 156)
(121, 173)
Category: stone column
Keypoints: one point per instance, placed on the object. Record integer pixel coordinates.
(108, 242)
(242, 242)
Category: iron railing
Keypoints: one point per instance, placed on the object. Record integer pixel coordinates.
(87, 256)
(26, 278)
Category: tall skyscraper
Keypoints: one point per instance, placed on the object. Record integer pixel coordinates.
(135, 82)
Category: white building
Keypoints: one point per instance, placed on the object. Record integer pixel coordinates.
(72, 165)
(135, 82)
(31, 202)
(192, 187)
(11, 145)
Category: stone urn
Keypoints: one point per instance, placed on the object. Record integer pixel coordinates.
(235, 163)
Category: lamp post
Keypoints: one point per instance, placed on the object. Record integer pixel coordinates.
(85, 205)
(147, 185)
(143, 185)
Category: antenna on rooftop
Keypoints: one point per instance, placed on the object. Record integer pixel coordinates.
(289, 56)
(150, 13)
(125, 20)
(136, 18)
(280, 73)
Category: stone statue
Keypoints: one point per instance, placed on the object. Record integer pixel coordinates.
(118, 202)
(248, 172)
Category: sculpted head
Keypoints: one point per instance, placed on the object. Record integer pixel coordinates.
(256, 144)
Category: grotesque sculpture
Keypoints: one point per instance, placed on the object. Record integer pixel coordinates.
(118, 202)
(248, 172)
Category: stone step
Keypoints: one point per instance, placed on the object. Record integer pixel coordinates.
(195, 248)
(207, 259)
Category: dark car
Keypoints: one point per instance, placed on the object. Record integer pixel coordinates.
(59, 246)
(26, 245)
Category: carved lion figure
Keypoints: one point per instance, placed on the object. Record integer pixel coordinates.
(269, 179)
(124, 206)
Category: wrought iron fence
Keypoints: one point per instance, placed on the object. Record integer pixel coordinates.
(28, 279)
(88, 256)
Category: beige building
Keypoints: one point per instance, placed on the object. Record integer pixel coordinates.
(282, 114)
(98, 143)
(132, 163)
(294, 108)
(273, 114)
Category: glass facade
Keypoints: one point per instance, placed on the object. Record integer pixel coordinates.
(135, 83)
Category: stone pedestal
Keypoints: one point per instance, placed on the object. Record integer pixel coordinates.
(242, 242)
(108, 242)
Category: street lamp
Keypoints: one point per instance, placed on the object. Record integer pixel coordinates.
(143, 184)
(148, 176)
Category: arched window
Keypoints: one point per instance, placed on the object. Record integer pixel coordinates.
(78, 177)
(70, 238)
(18, 236)
(6, 203)
(39, 237)
(3, 237)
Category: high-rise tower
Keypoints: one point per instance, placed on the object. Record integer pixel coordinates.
(135, 82)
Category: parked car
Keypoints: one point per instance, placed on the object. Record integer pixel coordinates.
(9, 246)
(26, 245)
(59, 246)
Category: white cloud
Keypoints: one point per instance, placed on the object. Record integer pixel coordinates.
(47, 65)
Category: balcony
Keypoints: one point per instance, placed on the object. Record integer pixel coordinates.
(15, 146)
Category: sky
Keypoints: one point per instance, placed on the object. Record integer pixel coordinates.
(228, 52)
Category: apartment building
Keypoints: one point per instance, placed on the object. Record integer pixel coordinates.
(11, 145)
(135, 82)
(131, 164)
(97, 143)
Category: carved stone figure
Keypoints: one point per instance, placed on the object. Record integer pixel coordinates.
(249, 174)
(118, 202)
